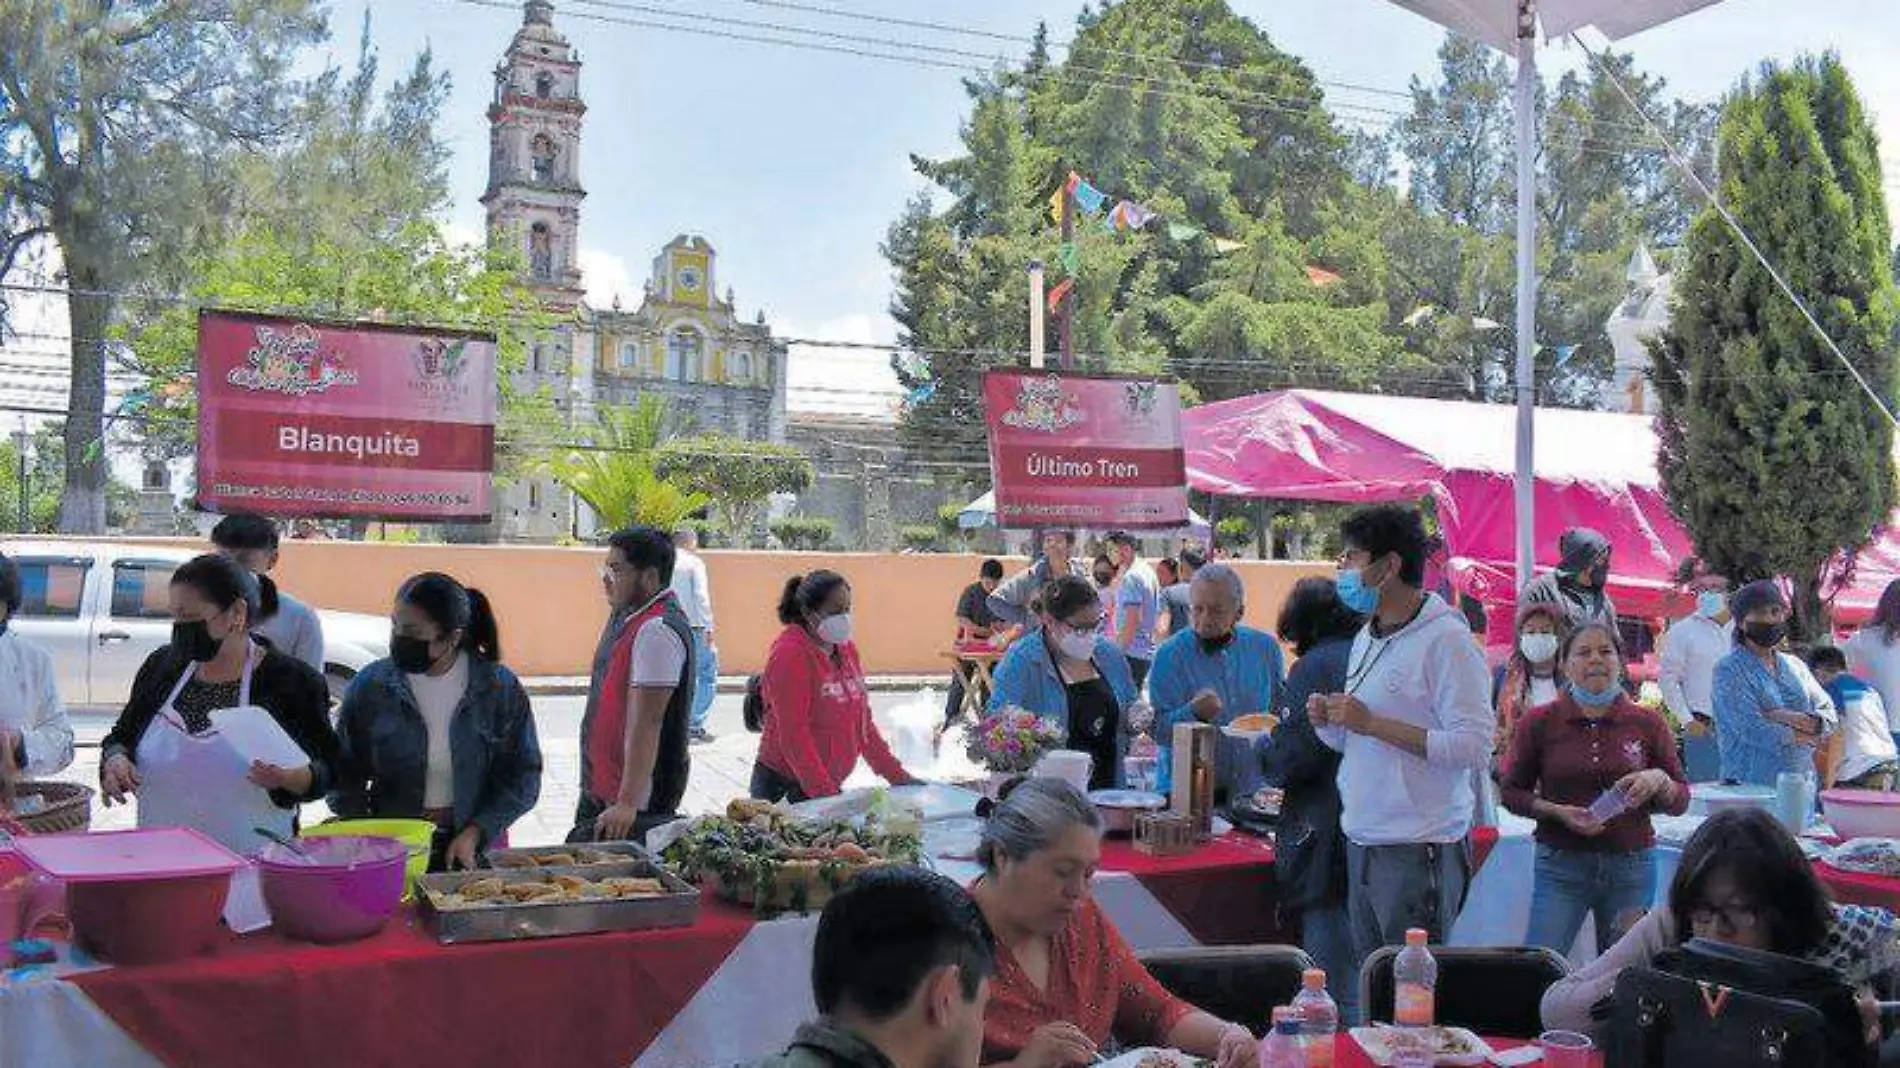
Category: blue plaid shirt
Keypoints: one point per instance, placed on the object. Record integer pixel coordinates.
(1755, 749)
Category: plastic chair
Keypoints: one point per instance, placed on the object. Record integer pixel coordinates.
(1237, 983)
(1492, 990)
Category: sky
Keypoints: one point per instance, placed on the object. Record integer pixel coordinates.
(794, 162)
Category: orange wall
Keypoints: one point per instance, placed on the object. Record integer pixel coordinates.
(551, 607)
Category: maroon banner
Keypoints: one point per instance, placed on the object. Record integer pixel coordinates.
(297, 417)
(1069, 450)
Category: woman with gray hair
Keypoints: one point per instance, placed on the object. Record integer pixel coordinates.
(1066, 983)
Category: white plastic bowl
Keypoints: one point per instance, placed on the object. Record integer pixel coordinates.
(1709, 798)
(1862, 813)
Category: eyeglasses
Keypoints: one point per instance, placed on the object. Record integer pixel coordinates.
(1733, 917)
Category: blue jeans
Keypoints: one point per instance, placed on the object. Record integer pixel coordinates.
(1327, 938)
(1574, 883)
(705, 679)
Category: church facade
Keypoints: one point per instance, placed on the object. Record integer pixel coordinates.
(684, 342)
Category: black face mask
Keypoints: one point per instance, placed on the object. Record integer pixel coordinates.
(410, 655)
(1103, 578)
(194, 642)
(1765, 635)
(1215, 645)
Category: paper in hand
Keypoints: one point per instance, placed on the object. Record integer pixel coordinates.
(256, 736)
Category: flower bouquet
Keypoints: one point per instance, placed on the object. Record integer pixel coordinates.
(1011, 741)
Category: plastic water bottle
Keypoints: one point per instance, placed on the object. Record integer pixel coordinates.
(1283, 1047)
(1415, 976)
(1319, 1019)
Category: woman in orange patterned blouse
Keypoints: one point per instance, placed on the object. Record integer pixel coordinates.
(1066, 982)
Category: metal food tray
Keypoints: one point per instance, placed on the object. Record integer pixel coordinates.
(679, 907)
(621, 852)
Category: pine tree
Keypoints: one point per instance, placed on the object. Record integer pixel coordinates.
(1772, 455)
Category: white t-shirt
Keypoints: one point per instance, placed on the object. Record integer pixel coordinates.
(437, 697)
(658, 655)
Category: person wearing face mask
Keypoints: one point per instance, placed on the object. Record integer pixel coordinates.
(1413, 722)
(1576, 585)
(817, 709)
(439, 730)
(1215, 671)
(1014, 601)
(1529, 678)
(162, 747)
(1770, 713)
(634, 732)
(1073, 675)
(1564, 756)
(1690, 650)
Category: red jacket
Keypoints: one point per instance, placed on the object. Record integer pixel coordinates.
(818, 715)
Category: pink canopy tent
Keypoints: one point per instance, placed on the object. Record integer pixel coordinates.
(1594, 469)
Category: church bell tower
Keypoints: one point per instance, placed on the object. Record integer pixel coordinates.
(534, 137)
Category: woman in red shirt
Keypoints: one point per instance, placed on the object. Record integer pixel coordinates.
(1065, 981)
(1563, 757)
(817, 710)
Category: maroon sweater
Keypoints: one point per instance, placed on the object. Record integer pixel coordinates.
(1567, 758)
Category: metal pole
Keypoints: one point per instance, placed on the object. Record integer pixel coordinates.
(1068, 299)
(1035, 315)
(20, 438)
(1526, 291)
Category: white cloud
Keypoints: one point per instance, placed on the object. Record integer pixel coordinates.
(607, 276)
(460, 235)
(845, 381)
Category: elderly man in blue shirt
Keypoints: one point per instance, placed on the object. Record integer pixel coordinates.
(1214, 672)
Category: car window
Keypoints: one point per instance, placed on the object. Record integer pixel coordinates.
(51, 588)
(141, 589)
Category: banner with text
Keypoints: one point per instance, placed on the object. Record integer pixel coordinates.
(1103, 453)
(305, 418)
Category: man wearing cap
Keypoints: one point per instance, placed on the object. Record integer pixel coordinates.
(1576, 586)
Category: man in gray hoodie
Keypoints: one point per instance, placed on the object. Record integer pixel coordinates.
(1412, 723)
(1576, 585)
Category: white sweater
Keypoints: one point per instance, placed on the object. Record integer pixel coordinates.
(1432, 675)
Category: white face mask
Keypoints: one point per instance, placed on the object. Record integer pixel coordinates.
(1538, 648)
(835, 629)
(1075, 644)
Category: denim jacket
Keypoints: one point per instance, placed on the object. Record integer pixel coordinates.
(386, 749)
(1027, 679)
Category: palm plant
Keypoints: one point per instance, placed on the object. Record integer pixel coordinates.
(616, 473)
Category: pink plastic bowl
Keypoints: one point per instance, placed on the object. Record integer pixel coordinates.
(345, 890)
(1862, 813)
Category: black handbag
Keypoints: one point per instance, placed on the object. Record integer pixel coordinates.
(754, 707)
(1714, 1004)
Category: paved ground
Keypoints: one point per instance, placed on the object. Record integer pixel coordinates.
(722, 769)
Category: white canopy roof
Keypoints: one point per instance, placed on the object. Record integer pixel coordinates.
(1495, 21)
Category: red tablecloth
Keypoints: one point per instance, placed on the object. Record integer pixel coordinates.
(401, 999)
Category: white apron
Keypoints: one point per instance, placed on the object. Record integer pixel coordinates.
(200, 781)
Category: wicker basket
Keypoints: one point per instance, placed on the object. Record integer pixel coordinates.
(68, 807)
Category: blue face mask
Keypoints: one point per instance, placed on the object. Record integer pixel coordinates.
(1709, 604)
(1355, 594)
(1593, 698)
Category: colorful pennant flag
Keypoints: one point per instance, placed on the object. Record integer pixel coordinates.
(1481, 324)
(1224, 246)
(1129, 215)
(1059, 204)
(1419, 315)
(923, 393)
(1564, 352)
(1070, 256)
(1089, 198)
(1322, 277)
(1057, 294)
(1182, 232)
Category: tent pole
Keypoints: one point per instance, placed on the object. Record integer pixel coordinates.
(1526, 289)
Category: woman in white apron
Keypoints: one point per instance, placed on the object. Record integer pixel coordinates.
(168, 748)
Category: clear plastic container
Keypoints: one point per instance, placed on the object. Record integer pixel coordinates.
(1609, 804)
(1415, 981)
(1319, 1019)
(1284, 1047)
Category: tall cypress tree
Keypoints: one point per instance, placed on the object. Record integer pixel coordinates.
(1772, 455)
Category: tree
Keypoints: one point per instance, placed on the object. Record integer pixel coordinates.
(804, 533)
(616, 473)
(116, 122)
(46, 471)
(1771, 455)
(736, 475)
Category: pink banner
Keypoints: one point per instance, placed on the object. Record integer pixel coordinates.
(302, 418)
(1103, 453)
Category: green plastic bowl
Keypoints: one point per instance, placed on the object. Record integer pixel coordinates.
(417, 835)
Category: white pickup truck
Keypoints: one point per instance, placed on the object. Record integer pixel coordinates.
(100, 608)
